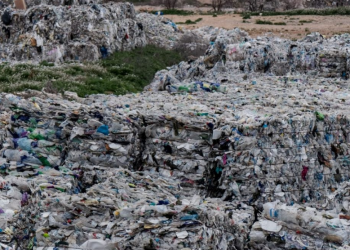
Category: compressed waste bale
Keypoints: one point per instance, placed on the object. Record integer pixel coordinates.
(74, 33)
(159, 30)
(233, 53)
(210, 157)
(133, 210)
(299, 227)
(230, 144)
(63, 160)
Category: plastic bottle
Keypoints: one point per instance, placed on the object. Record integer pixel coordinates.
(25, 144)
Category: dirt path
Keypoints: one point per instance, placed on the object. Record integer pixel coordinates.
(294, 29)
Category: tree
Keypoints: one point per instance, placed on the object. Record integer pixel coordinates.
(253, 5)
(218, 5)
(272, 5)
(170, 4)
(292, 4)
(317, 3)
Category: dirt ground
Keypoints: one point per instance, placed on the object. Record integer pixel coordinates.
(294, 28)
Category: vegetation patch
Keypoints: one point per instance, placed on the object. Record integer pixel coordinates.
(118, 74)
(190, 21)
(263, 22)
(305, 21)
(269, 23)
(246, 16)
(176, 12)
(299, 12)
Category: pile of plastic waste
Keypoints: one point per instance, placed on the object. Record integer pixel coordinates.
(233, 53)
(188, 169)
(58, 32)
(193, 167)
(258, 140)
(246, 147)
(159, 30)
(69, 33)
(301, 227)
(137, 210)
(73, 177)
(227, 147)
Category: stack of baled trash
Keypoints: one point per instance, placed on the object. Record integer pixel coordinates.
(137, 210)
(233, 54)
(208, 158)
(78, 175)
(69, 33)
(300, 227)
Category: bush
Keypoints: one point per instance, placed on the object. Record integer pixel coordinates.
(263, 22)
(280, 23)
(177, 12)
(4, 79)
(46, 64)
(190, 21)
(305, 21)
(246, 16)
(300, 12)
(269, 23)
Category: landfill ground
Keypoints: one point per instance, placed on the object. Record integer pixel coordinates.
(294, 29)
(243, 145)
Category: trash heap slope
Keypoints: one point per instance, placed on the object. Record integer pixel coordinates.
(73, 176)
(69, 33)
(160, 166)
(86, 32)
(276, 113)
(218, 159)
(280, 139)
(233, 54)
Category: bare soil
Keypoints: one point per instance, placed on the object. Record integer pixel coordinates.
(294, 28)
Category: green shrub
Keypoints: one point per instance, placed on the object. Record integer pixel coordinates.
(25, 75)
(263, 22)
(176, 12)
(46, 64)
(190, 21)
(299, 12)
(269, 23)
(305, 21)
(4, 79)
(246, 16)
(121, 71)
